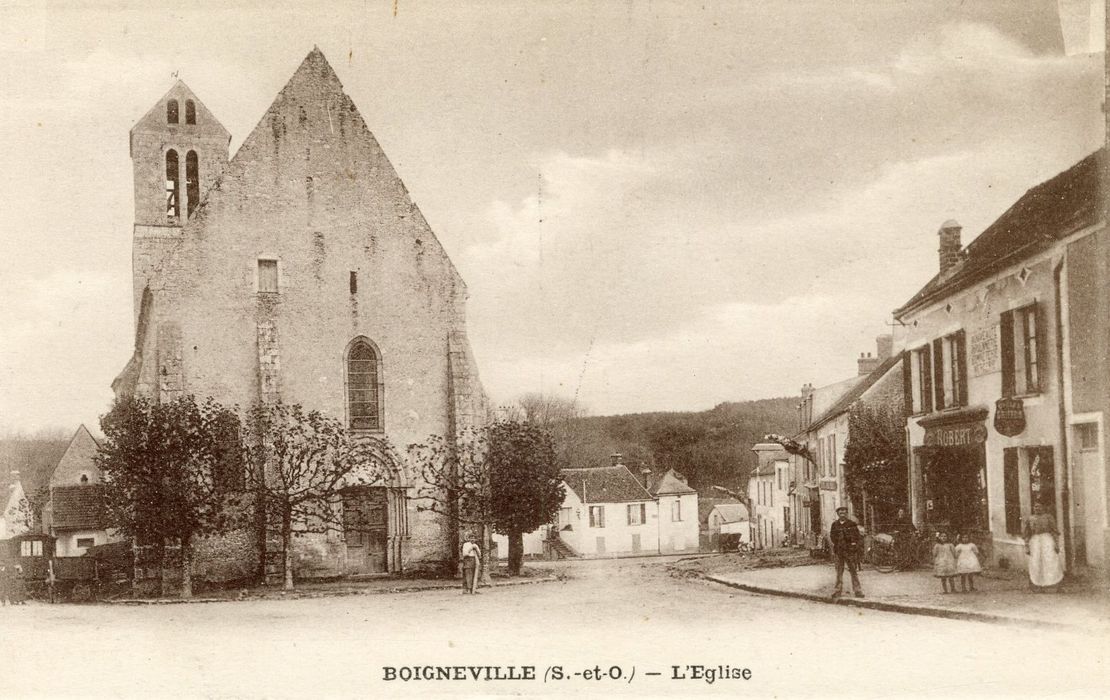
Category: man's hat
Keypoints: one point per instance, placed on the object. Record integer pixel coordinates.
(842, 509)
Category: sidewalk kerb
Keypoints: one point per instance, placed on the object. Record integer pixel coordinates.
(897, 607)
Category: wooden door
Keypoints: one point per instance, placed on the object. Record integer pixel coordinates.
(365, 528)
(635, 544)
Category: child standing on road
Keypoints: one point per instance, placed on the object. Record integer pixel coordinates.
(944, 562)
(967, 563)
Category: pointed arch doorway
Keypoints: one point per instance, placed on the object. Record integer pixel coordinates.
(375, 512)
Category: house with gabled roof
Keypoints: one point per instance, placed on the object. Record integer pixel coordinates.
(25, 469)
(728, 519)
(75, 514)
(677, 505)
(607, 511)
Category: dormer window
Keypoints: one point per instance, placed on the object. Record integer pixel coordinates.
(171, 112)
(190, 112)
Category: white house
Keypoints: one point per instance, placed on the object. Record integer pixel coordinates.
(677, 505)
(608, 512)
(729, 519)
(769, 488)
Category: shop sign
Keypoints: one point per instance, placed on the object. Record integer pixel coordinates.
(828, 484)
(1009, 416)
(983, 351)
(955, 435)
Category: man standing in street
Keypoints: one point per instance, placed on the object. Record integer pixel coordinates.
(471, 562)
(847, 545)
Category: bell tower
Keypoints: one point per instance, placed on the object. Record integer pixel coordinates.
(178, 149)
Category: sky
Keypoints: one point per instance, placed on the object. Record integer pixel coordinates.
(655, 205)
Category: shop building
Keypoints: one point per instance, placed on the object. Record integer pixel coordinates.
(988, 375)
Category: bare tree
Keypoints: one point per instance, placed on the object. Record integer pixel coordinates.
(299, 464)
(456, 484)
(555, 414)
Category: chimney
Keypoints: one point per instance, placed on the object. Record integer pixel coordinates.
(645, 474)
(615, 459)
(884, 345)
(949, 250)
(867, 364)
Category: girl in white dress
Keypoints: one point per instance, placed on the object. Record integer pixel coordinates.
(967, 563)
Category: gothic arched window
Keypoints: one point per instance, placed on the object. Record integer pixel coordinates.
(173, 186)
(364, 386)
(190, 112)
(171, 112)
(192, 182)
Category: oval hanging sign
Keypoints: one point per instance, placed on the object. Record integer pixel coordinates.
(1009, 416)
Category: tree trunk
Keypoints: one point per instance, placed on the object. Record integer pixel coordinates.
(162, 568)
(287, 548)
(260, 533)
(516, 553)
(487, 546)
(186, 567)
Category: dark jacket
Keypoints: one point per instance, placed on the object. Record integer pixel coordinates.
(845, 538)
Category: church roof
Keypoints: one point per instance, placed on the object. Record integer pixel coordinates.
(314, 99)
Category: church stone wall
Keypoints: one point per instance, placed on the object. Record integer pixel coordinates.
(311, 188)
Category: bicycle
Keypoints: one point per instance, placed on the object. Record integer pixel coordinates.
(900, 551)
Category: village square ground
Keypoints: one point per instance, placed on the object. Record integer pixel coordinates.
(631, 613)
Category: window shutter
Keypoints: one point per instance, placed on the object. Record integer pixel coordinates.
(961, 370)
(907, 383)
(1011, 490)
(938, 371)
(1042, 348)
(926, 380)
(1006, 330)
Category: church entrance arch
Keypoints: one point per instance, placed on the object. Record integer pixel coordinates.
(375, 510)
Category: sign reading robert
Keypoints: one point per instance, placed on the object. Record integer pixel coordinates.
(1009, 416)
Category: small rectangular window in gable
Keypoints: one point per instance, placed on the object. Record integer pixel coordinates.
(268, 276)
(354, 282)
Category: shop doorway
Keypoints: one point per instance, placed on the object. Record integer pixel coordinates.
(955, 488)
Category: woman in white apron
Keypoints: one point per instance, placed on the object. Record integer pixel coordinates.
(1042, 550)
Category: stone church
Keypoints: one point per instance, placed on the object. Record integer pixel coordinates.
(300, 270)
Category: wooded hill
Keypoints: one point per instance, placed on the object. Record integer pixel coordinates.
(709, 447)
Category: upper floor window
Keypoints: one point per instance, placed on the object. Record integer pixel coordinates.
(173, 185)
(950, 371)
(1023, 351)
(268, 276)
(676, 511)
(190, 112)
(171, 112)
(921, 394)
(364, 388)
(597, 516)
(637, 513)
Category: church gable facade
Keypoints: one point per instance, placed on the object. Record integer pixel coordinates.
(301, 271)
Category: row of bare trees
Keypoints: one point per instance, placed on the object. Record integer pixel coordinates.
(181, 470)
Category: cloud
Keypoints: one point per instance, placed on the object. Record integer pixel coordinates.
(60, 347)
